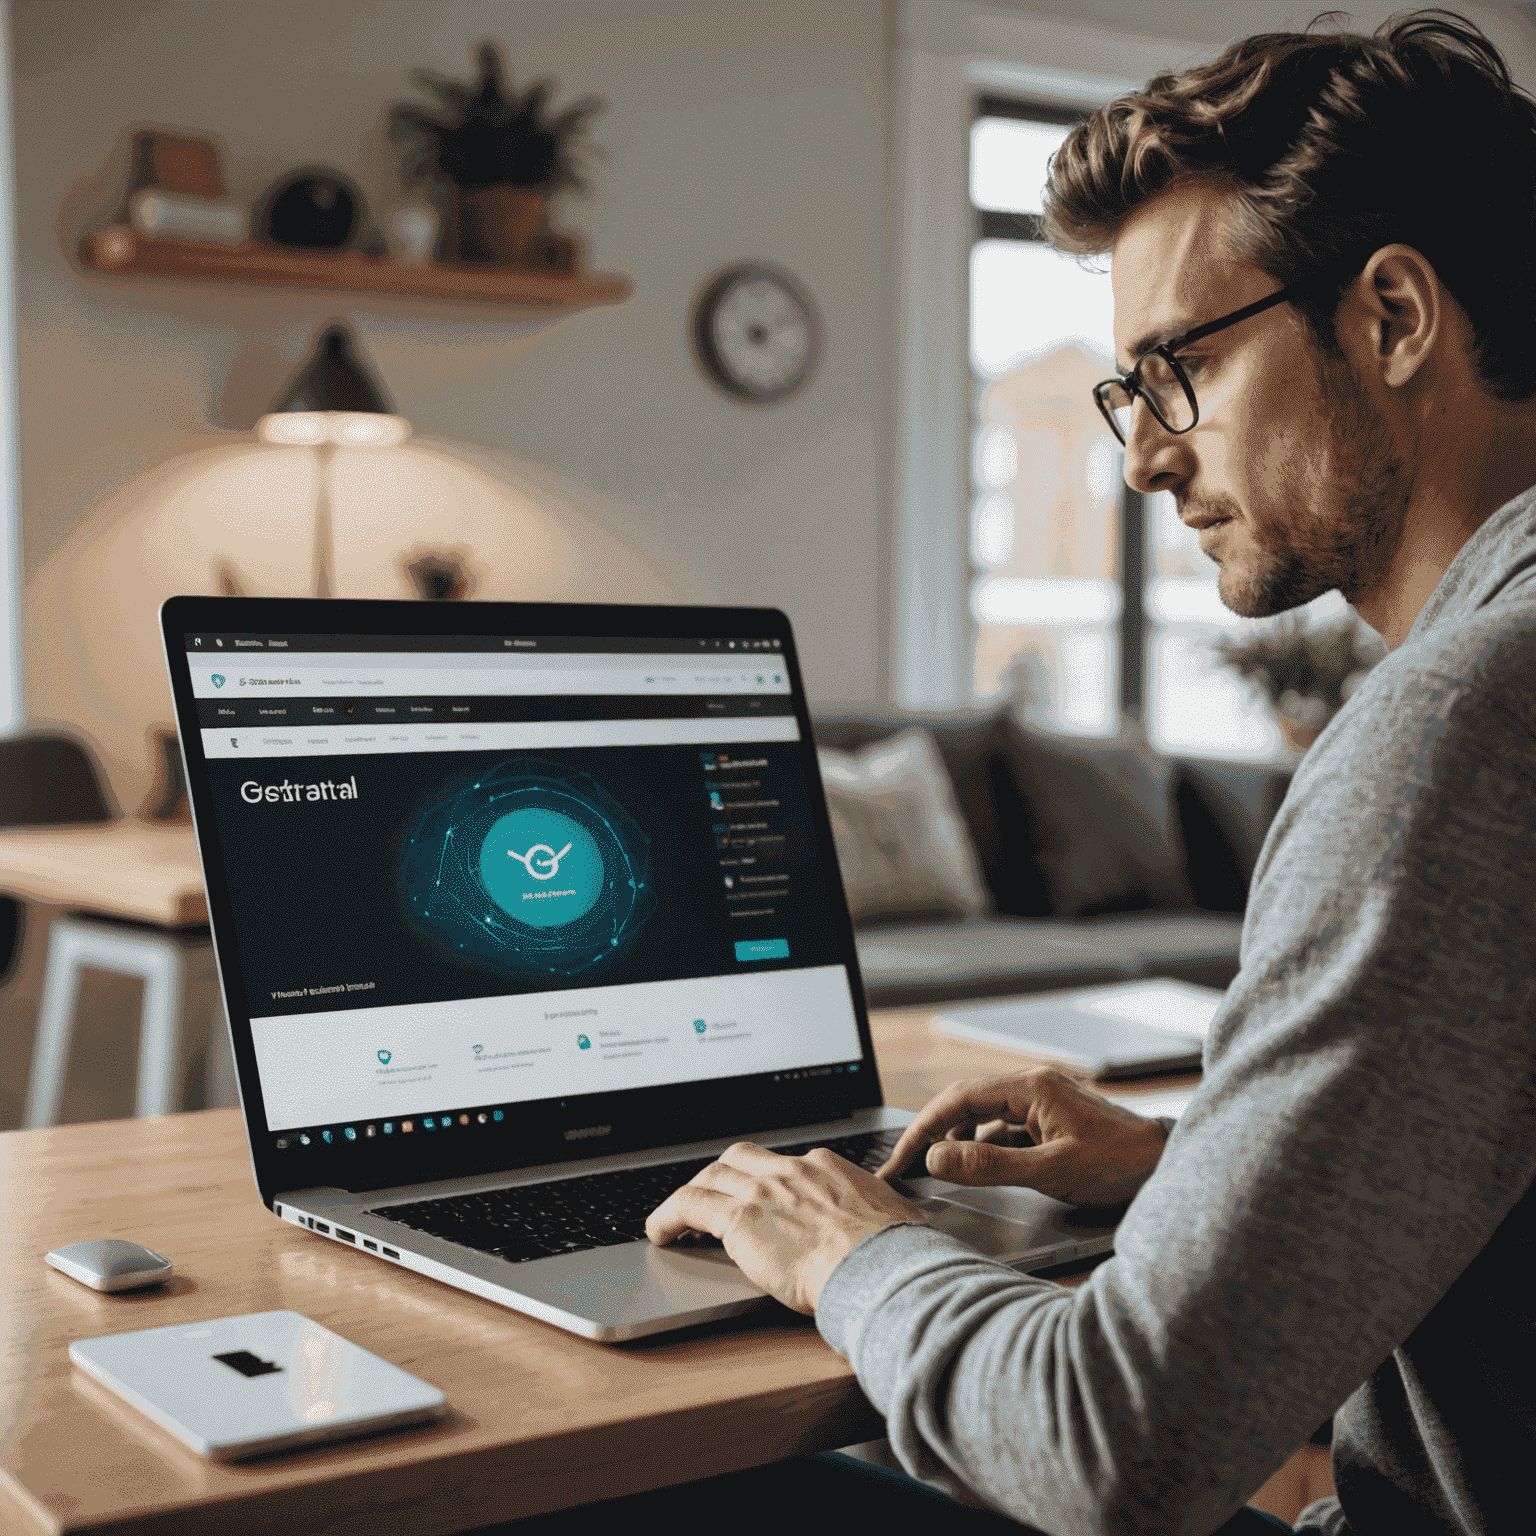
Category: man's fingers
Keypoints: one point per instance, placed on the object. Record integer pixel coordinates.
(945, 1112)
(732, 1177)
(1003, 1134)
(981, 1162)
(960, 1108)
(693, 1208)
(749, 1158)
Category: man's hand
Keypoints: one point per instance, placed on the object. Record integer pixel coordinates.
(786, 1221)
(1040, 1129)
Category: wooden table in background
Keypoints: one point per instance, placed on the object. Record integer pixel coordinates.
(540, 1419)
(146, 871)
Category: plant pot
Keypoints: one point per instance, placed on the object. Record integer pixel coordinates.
(1298, 737)
(496, 224)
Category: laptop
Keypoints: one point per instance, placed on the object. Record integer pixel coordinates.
(523, 913)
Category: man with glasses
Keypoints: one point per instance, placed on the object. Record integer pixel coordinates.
(1323, 254)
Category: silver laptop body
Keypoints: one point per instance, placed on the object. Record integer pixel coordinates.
(422, 1010)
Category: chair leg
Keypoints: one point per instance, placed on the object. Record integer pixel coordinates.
(55, 1028)
(160, 1030)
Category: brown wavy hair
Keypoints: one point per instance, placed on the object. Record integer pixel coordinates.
(1335, 144)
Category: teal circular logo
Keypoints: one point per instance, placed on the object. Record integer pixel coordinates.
(541, 867)
(530, 865)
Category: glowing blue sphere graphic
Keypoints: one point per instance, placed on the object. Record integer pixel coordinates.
(542, 867)
(532, 866)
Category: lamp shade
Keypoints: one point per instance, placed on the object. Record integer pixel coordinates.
(334, 397)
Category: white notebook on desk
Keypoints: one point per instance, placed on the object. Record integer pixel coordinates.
(1126, 1030)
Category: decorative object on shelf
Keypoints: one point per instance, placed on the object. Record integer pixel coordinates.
(1306, 673)
(756, 333)
(222, 222)
(498, 158)
(176, 188)
(335, 400)
(174, 162)
(413, 227)
(313, 209)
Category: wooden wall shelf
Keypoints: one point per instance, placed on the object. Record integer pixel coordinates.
(122, 251)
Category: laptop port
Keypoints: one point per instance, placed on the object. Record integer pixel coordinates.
(389, 1253)
(372, 1247)
(319, 1226)
(346, 1237)
(277, 1210)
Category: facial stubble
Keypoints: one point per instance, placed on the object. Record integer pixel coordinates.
(1343, 536)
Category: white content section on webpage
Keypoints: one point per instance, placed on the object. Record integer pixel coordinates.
(418, 1058)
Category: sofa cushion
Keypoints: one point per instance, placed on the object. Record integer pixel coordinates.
(1225, 810)
(901, 843)
(1105, 834)
(979, 757)
(925, 963)
(1201, 947)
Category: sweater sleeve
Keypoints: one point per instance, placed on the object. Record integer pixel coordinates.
(1366, 1121)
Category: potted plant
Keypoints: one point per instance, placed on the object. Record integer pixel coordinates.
(497, 155)
(1305, 673)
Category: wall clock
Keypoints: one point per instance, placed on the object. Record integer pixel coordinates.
(756, 333)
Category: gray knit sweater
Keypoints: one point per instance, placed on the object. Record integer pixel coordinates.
(1344, 1214)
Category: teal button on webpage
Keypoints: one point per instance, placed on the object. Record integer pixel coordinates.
(762, 949)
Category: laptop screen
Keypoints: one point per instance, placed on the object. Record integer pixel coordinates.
(473, 880)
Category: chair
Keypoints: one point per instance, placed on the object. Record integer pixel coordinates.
(44, 781)
(48, 780)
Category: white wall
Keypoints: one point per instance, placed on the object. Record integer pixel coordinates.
(742, 128)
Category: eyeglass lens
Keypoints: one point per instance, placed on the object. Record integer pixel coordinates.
(1167, 391)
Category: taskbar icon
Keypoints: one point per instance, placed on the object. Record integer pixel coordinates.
(342, 1135)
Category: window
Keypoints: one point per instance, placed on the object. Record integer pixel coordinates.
(1044, 535)
(1195, 705)
(1090, 605)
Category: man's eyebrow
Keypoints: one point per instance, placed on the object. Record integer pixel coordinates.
(1144, 344)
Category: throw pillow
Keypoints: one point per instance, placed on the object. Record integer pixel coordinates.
(1105, 828)
(901, 845)
(979, 753)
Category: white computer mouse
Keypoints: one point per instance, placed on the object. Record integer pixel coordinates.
(110, 1264)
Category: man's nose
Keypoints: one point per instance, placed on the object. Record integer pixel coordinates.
(1155, 458)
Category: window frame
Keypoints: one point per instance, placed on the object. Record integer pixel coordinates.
(947, 53)
(1132, 620)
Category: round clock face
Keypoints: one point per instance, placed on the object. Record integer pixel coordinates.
(756, 333)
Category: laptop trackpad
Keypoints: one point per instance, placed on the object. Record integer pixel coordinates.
(636, 1283)
(1008, 1223)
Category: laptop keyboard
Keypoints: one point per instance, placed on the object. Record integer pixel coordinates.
(599, 1210)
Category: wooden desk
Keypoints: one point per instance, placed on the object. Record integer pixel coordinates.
(541, 1419)
(142, 870)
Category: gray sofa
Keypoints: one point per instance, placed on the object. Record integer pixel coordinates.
(1103, 862)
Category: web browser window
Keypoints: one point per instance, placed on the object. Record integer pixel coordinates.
(467, 874)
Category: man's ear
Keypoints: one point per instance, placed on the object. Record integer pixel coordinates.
(1394, 312)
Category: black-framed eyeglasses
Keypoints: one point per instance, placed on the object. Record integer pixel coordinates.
(1159, 377)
